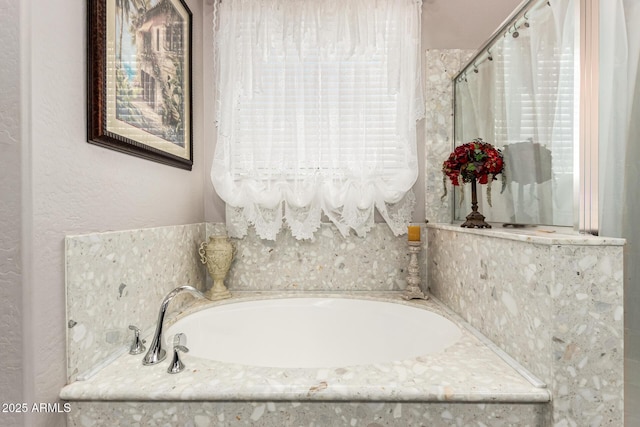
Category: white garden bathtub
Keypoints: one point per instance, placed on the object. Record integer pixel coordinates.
(265, 358)
(314, 332)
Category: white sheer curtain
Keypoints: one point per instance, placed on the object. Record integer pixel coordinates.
(619, 109)
(317, 103)
(619, 173)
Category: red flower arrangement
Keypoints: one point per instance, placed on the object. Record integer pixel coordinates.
(476, 160)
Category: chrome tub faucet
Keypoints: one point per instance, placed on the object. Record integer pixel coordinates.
(156, 353)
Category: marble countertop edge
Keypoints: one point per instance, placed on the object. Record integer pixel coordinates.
(364, 395)
(545, 235)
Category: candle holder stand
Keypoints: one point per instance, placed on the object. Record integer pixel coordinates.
(413, 290)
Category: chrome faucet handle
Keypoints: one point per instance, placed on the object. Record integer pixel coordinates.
(137, 346)
(178, 345)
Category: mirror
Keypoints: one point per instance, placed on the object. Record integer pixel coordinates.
(519, 94)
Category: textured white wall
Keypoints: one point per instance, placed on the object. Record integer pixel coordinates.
(10, 173)
(76, 187)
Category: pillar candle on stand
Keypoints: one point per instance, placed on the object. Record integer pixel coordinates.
(413, 291)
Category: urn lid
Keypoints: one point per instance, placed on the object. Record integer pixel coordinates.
(218, 236)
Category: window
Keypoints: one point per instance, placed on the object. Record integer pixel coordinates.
(148, 84)
(316, 113)
(146, 40)
(173, 38)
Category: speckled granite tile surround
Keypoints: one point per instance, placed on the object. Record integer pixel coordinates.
(117, 279)
(465, 371)
(286, 414)
(89, 259)
(553, 303)
(328, 262)
(441, 66)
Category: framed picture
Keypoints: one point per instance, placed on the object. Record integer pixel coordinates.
(139, 78)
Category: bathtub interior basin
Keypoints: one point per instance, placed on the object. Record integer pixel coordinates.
(314, 332)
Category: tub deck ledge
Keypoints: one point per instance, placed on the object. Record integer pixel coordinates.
(467, 371)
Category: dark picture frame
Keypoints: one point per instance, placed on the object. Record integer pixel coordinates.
(139, 91)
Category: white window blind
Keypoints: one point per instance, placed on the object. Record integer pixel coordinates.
(317, 103)
(537, 102)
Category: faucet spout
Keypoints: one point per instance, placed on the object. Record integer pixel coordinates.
(156, 353)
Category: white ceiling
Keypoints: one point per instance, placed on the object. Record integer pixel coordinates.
(463, 24)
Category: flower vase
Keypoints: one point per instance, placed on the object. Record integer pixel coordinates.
(217, 255)
(475, 219)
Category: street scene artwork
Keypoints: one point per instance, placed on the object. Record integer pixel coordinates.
(150, 64)
(139, 79)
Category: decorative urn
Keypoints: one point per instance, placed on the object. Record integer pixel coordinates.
(217, 255)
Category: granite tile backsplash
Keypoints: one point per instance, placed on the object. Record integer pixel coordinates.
(117, 279)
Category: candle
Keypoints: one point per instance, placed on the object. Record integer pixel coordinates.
(414, 233)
